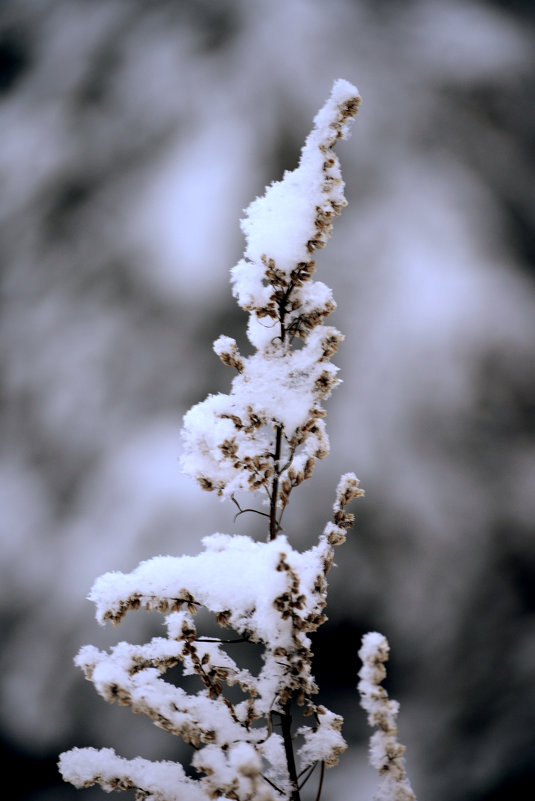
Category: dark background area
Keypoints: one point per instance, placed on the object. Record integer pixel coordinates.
(132, 136)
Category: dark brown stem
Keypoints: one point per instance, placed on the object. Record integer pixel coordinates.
(286, 727)
(320, 785)
(271, 783)
(273, 522)
(274, 526)
(309, 771)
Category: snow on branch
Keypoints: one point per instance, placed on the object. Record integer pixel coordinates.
(386, 753)
(215, 579)
(157, 781)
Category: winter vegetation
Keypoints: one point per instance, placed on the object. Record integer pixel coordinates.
(133, 135)
(265, 741)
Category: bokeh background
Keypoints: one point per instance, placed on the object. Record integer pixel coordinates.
(132, 136)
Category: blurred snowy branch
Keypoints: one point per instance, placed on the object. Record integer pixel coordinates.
(386, 753)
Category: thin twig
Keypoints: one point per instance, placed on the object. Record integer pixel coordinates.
(257, 511)
(320, 785)
(289, 462)
(310, 770)
(271, 783)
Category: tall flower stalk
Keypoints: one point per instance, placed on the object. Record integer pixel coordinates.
(264, 437)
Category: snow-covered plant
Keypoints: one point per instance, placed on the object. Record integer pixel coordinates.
(386, 753)
(264, 437)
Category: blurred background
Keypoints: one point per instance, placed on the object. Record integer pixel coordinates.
(132, 136)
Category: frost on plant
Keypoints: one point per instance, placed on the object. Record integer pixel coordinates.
(264, 437)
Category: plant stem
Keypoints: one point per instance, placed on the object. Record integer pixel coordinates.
(273, 523)
(286, 727)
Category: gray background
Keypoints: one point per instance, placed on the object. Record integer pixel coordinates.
(132, 136)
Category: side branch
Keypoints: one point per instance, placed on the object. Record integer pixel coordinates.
(386, 752)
